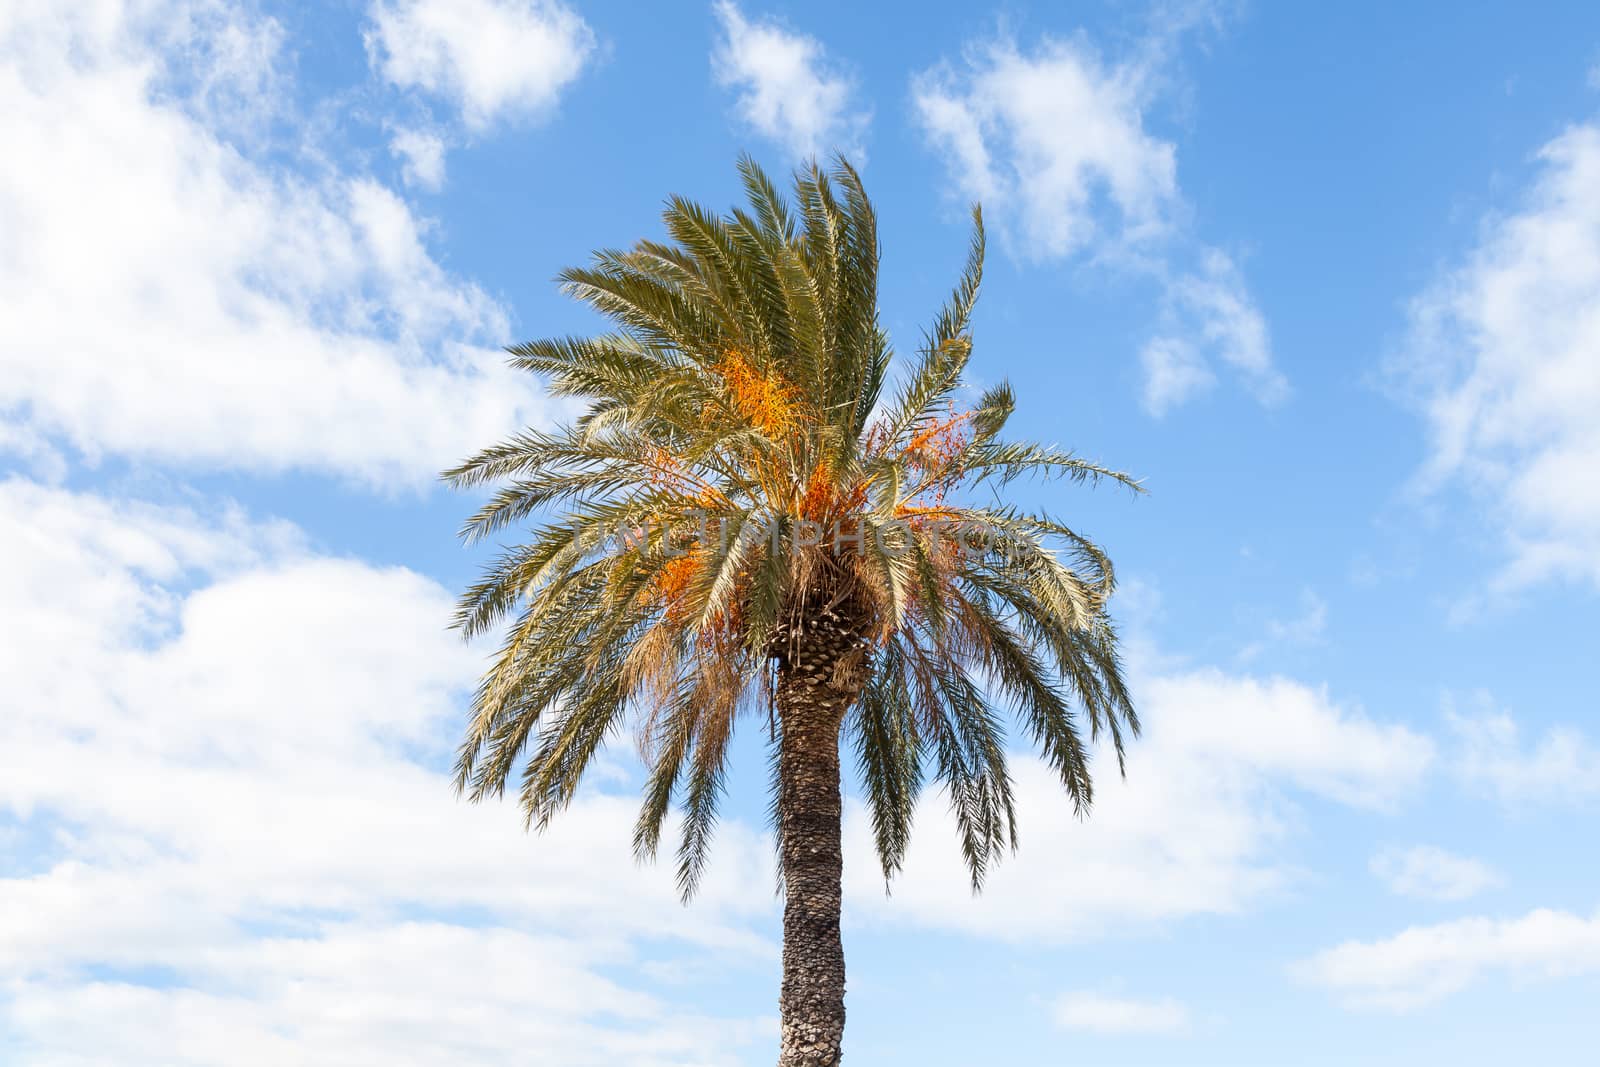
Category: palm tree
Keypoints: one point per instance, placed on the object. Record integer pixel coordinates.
(744, 524)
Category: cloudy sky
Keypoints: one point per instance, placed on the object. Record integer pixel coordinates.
(1328, 278)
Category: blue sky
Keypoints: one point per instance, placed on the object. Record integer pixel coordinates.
(1327, 278)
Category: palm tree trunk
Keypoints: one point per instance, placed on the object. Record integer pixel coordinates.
(817, 682)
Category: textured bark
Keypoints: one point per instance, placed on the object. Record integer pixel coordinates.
(818, 680)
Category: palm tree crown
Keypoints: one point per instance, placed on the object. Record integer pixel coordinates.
(744, 486)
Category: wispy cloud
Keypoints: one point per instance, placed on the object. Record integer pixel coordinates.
(1098, 1013)
(1429, 873)
(1304, 629)
(788, 89)
(1054, 139)
(1501, 364)
(1425, 964)
(1561, 766)
(421, 153)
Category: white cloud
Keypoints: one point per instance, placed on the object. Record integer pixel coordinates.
(492, 59)
(1424, 964)
(788, 90)
(1281, 728)
(409, 992)
(1190, 832)
(1055, 143)
(1562, 766)
(1430, 873)
(235, 779)
(195, 307)
(229, 753)
(1100, 1014)
(421, 153)
(1501, 361)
